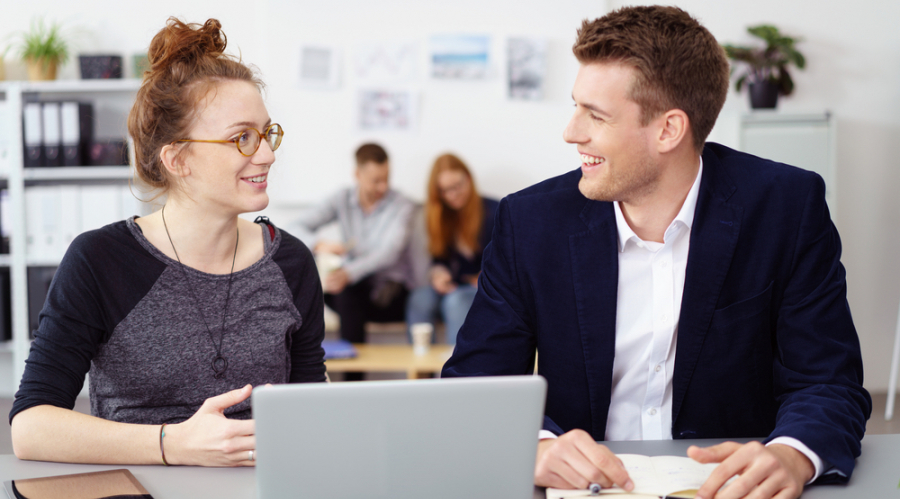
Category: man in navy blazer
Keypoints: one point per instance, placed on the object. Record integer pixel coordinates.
(761, 342)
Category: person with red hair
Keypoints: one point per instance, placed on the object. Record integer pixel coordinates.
(459, 224)
(178, 314)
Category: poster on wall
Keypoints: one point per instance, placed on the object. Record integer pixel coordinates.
(386, 110)
(319, 67)
(460, 57)
(386, 62)
(526, 68)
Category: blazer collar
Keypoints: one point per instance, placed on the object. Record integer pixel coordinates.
(714, 235)
(595, 276)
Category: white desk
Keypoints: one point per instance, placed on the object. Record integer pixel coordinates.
(876, 476)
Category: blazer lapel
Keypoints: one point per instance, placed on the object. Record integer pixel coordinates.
(714, 235)
(595, 273)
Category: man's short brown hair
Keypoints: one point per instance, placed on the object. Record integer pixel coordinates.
(371, 153)
(678, 63)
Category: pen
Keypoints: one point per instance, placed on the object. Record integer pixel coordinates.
(594, 488)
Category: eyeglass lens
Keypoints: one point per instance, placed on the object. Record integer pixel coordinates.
(248, 142)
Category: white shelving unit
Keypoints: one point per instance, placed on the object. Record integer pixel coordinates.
(112, 99)
(807, 141)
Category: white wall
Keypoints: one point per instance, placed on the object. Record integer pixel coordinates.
(853, 53)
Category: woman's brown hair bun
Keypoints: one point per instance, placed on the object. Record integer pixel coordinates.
(186, 60)
(185, 43)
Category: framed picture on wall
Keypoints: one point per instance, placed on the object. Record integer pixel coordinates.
(319, 67)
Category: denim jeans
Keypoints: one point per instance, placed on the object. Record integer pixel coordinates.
(427, 305)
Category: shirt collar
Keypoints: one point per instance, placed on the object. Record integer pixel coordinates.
(685, 214)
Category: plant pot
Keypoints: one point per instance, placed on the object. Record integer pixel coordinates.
(39, 71)
(763, 95)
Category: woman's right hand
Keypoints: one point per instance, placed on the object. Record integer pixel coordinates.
(442, 280)
(208, 438)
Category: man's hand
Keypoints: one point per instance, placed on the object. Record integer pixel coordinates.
(777, 471)
(332, 247)
(336, 281)
(575, 460)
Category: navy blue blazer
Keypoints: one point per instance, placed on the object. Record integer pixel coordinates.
(766, 345)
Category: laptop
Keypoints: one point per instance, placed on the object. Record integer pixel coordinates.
(435, 439)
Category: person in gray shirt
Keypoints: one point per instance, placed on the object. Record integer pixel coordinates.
(372, 280)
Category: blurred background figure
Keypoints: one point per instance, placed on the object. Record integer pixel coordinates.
(365, 275)
(459, 223)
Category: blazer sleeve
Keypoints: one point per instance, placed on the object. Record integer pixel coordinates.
(818, 371)
(498, 336)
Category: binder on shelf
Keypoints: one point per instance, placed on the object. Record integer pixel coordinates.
(39, 279)
(43, 210)
(69, 217)
(5, 305)
(5, 133)
(77, 132)
(52, 140)
(32, 133)
(100, 205)
(5, 221)
(131, 205)
(108, 152)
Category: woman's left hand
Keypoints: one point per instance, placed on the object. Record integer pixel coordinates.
(208, 438)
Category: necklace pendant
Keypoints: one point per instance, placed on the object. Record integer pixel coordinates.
(219, 365)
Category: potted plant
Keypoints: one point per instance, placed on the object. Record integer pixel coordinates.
(43, 49)
(3, 63)
(767, 72)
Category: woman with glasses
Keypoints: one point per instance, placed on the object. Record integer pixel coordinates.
(459, 223)
(177, 315)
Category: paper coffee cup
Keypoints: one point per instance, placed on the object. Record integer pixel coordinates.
(327, 263)
(421, 336)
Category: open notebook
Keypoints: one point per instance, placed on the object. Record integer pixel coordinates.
(653, 477)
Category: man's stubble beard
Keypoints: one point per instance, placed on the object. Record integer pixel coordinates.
(633, 183)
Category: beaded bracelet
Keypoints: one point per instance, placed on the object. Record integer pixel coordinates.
(162, 451)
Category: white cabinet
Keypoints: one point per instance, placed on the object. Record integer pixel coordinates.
(803, 140)
(111, 101)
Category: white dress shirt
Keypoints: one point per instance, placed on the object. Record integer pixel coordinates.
(651, 284)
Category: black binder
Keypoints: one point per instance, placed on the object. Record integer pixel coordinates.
(77, 128)
(39, 279)
(33, 134)
(5, 305)
(52, 140)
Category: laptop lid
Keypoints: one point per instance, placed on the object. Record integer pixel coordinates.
(440, 439)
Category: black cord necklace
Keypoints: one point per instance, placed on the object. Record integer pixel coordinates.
(219, 363)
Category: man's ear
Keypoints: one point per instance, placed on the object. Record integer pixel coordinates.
(674, 129)
(173, 162)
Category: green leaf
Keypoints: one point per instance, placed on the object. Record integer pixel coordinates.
(44, 43)
(769, 62)
(740, 83)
